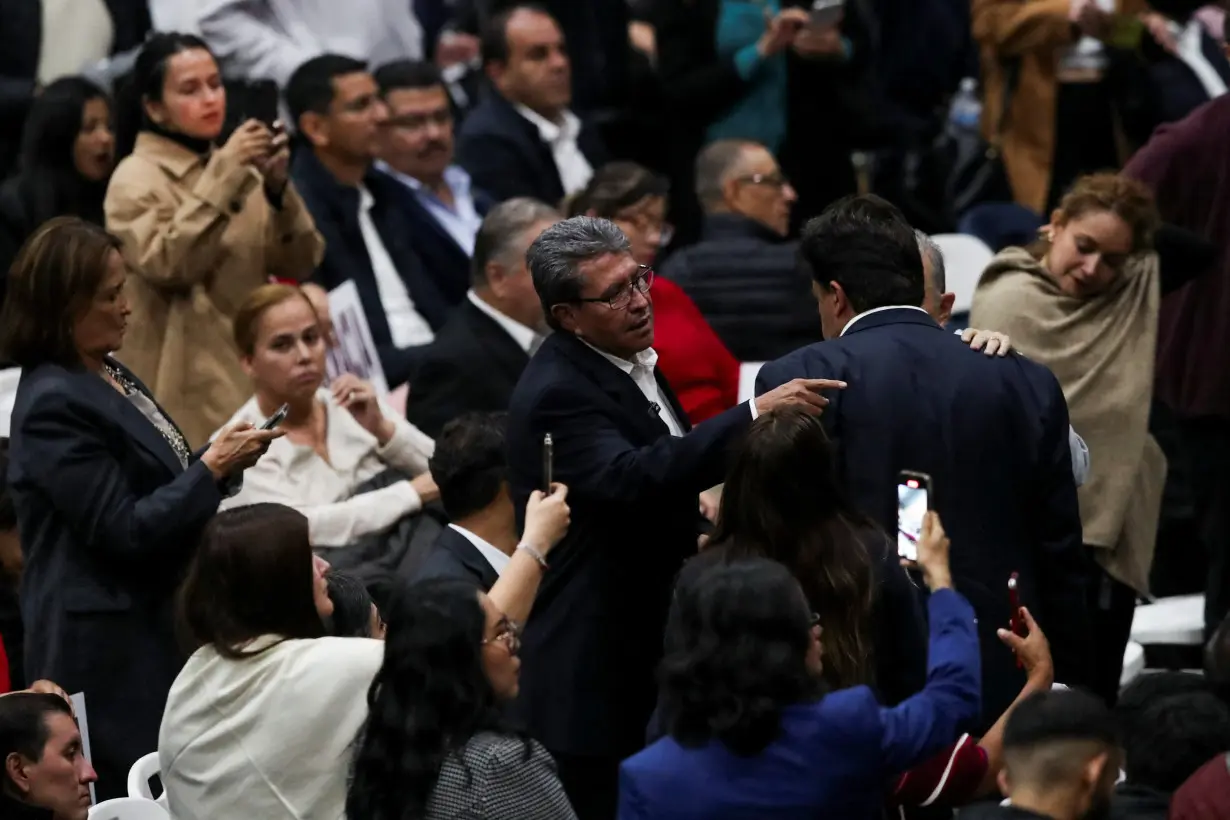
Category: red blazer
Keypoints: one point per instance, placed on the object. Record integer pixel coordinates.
(5, 682)
(698, 367)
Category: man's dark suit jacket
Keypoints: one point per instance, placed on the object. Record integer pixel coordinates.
(993, 435)
(335, 210)
(109, 519)
(595, 635)
(506, 157)
(448, 263)
(453, 556)
(471, 367)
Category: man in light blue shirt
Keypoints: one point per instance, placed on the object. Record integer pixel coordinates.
(417, 150)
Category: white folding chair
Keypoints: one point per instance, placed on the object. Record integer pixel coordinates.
(965, 258)
(1174, 621)
(1133, 663)
(139, 776)
(128, 808)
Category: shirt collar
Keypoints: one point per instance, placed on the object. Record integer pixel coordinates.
(647, 358)
(850, 323)
(568, 131)
(522, 335)
(455, 177)
(497, 559)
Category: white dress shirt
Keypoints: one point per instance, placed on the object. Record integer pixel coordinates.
(459, 220)
(407, 327)
(324, 491)
(1189, 40)
(850, 323)
(526, 338)
(640, 368)
(574, 169)
(495, 557)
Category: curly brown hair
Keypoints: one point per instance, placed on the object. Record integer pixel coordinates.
(1126, 198)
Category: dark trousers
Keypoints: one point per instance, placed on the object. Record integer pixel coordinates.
(1205, 443)
(1084, 136)
(1112, 605)
(591, 783)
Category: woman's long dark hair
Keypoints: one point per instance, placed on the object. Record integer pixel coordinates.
(250, 576)
(783, 500)
(48, 182)
(146, 82)
(736, 655)
(430, 697)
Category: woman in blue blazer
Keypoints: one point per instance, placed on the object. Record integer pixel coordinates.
(110, 502)
(753, 735)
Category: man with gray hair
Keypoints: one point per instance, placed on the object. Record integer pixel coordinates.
(478, 355)
(635, 469)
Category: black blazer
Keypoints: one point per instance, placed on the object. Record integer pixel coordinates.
(595, 635)
(993, 435)
(335, 210)
(506, 156)
(472, 366)
(453, 556)
(446, 262)
(108, 521)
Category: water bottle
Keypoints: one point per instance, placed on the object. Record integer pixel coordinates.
(966, 109)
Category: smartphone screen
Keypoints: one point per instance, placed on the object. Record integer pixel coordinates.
(913, 501)
(825, 13)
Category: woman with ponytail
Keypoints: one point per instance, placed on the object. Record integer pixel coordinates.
(202, 225)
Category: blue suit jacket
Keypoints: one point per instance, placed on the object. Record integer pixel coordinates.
(833, 756)
(595, 635)
(993, 435)
(109, 519)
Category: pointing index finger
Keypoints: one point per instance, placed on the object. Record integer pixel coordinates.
(823, 384)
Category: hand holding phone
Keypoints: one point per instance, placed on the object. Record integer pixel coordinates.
(1016, 623)
(277, 418)
(914, 499)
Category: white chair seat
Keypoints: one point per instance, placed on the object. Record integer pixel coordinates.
(965, 258)
(1175, 621)
(1133, 663)
(128, 808)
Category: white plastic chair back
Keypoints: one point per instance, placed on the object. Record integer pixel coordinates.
(128, 808)
(1175, 621)
(8, 394)
(139, 776)
(965, 258)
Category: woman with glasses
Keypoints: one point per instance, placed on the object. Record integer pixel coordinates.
(437, 744)
(754, 731)
(702, 372)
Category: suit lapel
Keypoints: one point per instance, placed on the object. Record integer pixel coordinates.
(672, 399)
(470, 557)
(135, 424)
(617, 384)
(495, 341)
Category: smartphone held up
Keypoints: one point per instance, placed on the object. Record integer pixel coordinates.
(914, 499)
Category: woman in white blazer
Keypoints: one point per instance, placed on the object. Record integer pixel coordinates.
(260, 721)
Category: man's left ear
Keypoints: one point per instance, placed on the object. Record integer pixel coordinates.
(15, 770)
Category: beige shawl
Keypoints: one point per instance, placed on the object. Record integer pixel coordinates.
(1101, 350)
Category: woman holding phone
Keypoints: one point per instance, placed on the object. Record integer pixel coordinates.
(202, 225)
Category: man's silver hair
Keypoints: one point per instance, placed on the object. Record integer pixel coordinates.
(502, 233)
(933, 254)
(556, 256)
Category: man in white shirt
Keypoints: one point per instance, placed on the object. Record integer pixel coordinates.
(523, 140)
(635, 468)
(417, 149)
(493, 332)
(360, 212)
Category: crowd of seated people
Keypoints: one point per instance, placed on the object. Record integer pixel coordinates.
(378, 365)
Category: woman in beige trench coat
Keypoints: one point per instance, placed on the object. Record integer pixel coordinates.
(202, 226)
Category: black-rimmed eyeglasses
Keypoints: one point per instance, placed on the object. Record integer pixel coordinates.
(640, 283)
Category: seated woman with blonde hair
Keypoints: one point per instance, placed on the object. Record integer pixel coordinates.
(340, 439)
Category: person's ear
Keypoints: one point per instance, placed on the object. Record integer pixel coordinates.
(155, 112)
(245, 363)
(497, 278)
(564, 315)
(840, 302)
(730, 192)
(314, 129)
(1005, 785)
(496, 70)
(16, 767)
(1095, 771)
(946, 302)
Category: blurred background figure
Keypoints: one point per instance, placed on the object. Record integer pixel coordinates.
(67, 154)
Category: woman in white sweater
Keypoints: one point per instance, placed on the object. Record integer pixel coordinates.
(337, 438)
(260, 721)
